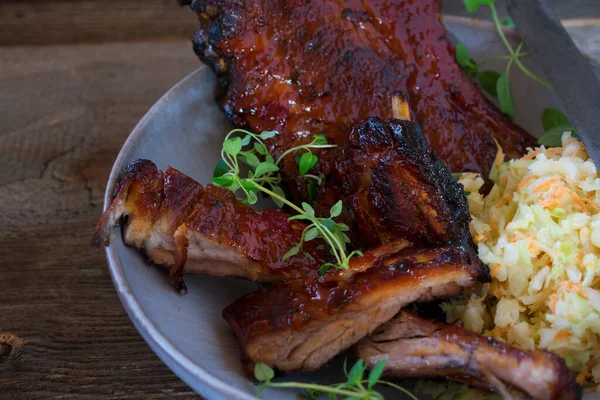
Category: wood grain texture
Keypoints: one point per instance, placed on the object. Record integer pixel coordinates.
(77, 21)
(34, 22)
(66, 111)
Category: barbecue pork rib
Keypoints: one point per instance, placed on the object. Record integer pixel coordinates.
(192, 228)
(302, 324)
(322, 66)
(414, 347)
(395, 187)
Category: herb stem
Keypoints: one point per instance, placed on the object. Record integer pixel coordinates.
(309, 146)
(502, 58)
(278, 197)
(336, 248)
(514, 56)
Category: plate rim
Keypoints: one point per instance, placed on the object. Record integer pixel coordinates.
(156, 339)
(179, 363)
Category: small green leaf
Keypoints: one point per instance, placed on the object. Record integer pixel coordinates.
(473, 5)
(465, 60)
(508, 22)
(346, 238)
(507, 104)
(269, 158)
(356, 373)
(246, 140)
(267, 134)
(260, 149)
(553, 137)
(462, 54)
(308, 209)
(343, 227)
(220, 169)
(307, 161)
(330, 224)
(265, 168)
(553, 117)
(248, 185)
(324, 268)
(313, 193)
(309, 256)
(279, 191)
(291, 252)
(336, 210)
(249, 159)
(320, 140)
(262, 372)
(311, 234)
(252, 198)
(223, 181)
(375, 373)
(489, 81)
(232, 146)
(467, 193)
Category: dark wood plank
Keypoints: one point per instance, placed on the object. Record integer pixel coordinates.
(33, 22)
(66, 110)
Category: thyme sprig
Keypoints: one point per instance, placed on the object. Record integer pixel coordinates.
(355, 387)
(264, 176)
(554, 121)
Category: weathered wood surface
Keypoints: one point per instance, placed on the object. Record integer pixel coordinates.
(64, 113)
(25, 22)
(65, 110)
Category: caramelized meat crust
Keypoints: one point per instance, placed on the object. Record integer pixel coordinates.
(321, 66)
(302, 324)
(421, 348)
(397, 187)
(192, 228)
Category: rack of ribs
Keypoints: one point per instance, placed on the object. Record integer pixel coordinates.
(414, 347)
(310, 67)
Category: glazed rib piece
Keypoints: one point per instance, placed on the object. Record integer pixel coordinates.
(421, 348)
(397, 187)
(322, 66)
(192, 228)
(301, 325)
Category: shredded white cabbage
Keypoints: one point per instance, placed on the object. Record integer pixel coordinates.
(539, 232)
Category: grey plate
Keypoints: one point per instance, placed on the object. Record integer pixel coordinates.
(184, 129)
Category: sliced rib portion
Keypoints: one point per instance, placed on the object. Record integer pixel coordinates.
(204, 229)
(421, 348)
(303, 324)
(397, 187)
(321, 66)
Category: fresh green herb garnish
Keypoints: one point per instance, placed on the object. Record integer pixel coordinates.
(555, 123)
(354, 388)
(263, 177)
(495, 83)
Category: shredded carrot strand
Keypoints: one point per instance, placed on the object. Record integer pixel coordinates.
(505, 199)
(578, 200)
(531, 155)
(495, 269)
(554, 151)
(545, 184)
(525, 181)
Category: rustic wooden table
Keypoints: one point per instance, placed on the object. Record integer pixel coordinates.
(75, 77)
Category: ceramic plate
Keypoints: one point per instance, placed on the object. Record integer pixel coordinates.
(185, 129)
